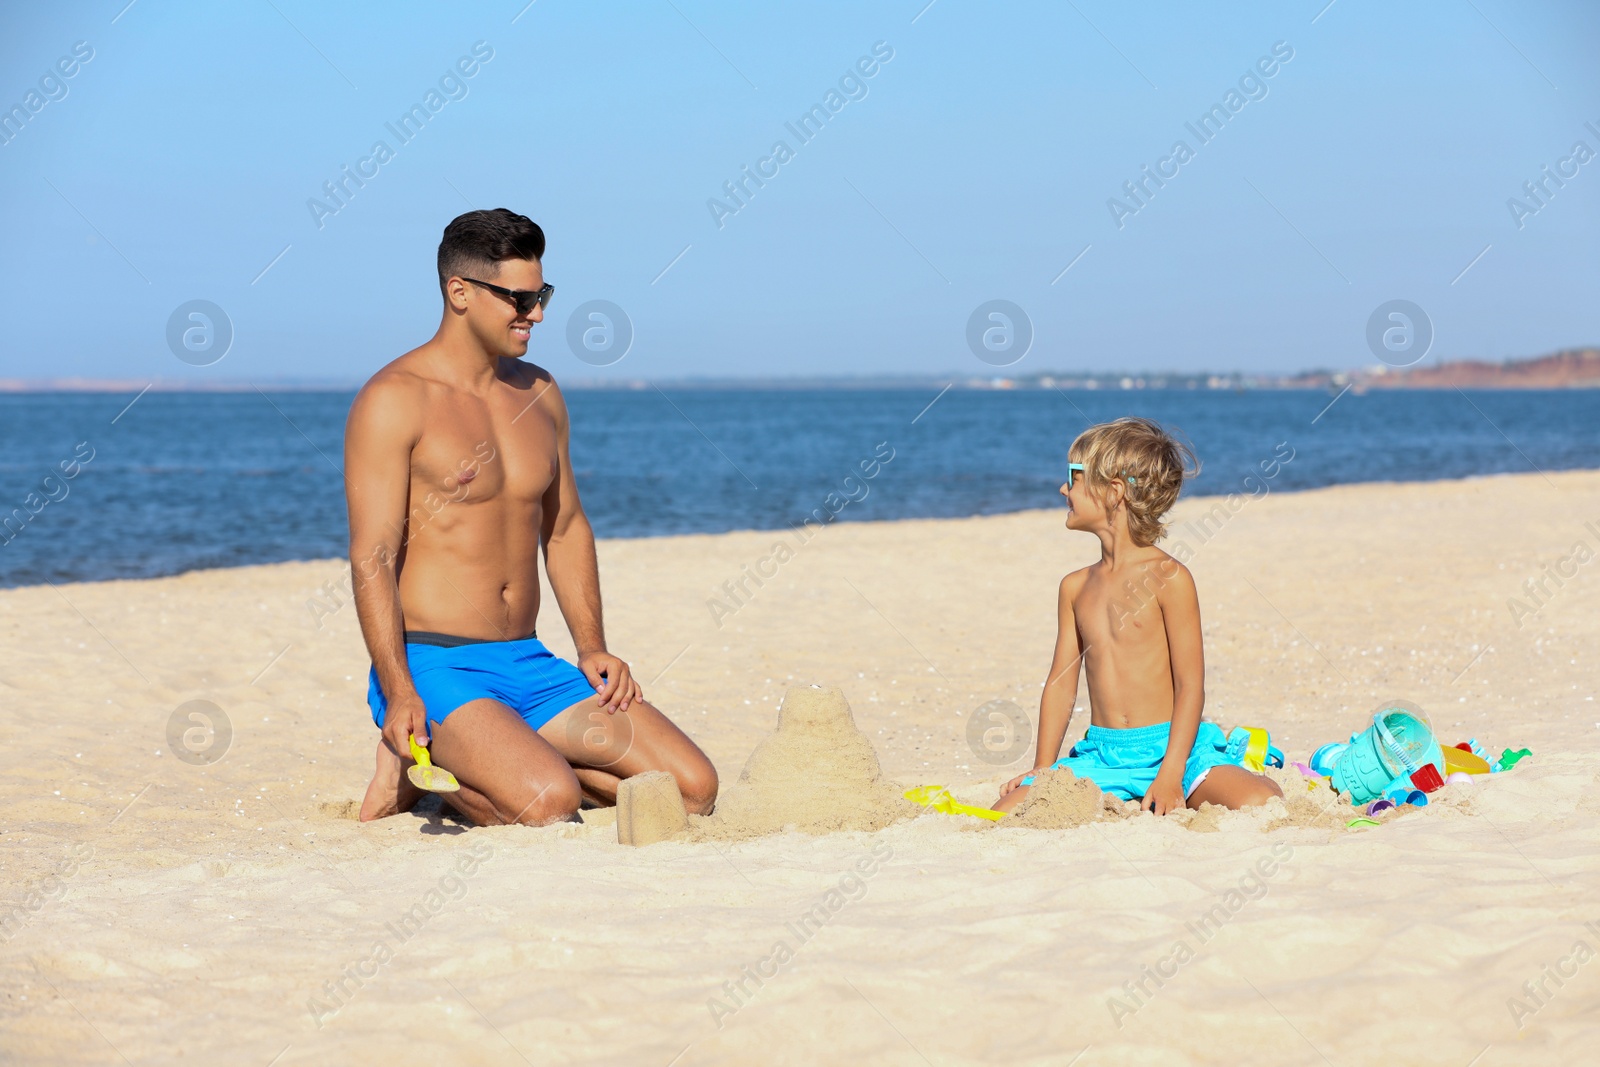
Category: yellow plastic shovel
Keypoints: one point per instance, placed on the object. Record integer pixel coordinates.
(938, 798)
(424, 775)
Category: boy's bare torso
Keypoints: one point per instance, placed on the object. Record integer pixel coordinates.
(480, 470)
(1124, 638)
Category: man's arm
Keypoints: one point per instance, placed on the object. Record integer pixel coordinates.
(384, 426)
(1061, 687)
(1180, 613)
(574, 569)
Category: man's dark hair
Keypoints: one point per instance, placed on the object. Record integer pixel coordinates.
(474, 244)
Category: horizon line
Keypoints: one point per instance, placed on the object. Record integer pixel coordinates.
(1307, 378)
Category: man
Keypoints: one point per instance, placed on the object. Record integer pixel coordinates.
(456, 473)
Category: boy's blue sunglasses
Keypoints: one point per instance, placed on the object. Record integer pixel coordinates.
(1078, 468)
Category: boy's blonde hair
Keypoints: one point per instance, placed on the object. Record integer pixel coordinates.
(1149, 461)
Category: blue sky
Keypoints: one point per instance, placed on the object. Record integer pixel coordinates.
(975, 164)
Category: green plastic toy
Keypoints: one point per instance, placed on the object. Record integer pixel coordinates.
(1509, 759)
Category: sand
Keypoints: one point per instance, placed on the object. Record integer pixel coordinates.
(210, 899)
(816, 774)
(1059, 800)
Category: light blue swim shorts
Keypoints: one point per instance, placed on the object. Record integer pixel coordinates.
(1124, 762)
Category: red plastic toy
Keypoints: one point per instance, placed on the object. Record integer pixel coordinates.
(1427, 778)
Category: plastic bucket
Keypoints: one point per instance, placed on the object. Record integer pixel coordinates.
(1407, 741)
(1397, 744)
(1362, 774)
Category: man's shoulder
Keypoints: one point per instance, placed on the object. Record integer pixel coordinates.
(397, 381)
(396, 394)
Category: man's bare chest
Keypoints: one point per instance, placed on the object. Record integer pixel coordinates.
(483, 456)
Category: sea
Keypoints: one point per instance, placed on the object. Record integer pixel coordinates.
(104, 485)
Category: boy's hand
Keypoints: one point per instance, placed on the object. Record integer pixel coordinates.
(1016, 782)
(1166, 794)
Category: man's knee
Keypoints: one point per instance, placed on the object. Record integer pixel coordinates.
(548, 802)
(698, 784)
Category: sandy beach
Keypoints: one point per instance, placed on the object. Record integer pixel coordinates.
(226, 907)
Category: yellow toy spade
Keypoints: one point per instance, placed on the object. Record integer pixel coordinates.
(938, 798)
(424, 775)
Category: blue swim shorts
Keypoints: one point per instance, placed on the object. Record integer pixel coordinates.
(1124, 762)
(451, 671)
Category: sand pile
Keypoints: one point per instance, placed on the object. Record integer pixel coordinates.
(1206, 819)
(1307, 802)
(1059, 800)
(816, 773)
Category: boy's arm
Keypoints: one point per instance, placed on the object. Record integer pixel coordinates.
(1180, 614)
(1061, 687)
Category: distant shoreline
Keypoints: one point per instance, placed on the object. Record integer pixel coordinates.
(8, 388)
(1572, 368)
(1359, 382)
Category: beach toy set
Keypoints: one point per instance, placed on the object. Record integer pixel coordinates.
(1397, 761)
(1248, 746)
(1397, 749)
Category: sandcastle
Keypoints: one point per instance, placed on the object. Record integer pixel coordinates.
(816, 773)
(650, 809)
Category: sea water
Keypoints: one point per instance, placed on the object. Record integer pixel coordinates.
(180, 481)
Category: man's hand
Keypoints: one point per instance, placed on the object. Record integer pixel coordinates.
(613, 683)
(1166, 794)
(406, 718)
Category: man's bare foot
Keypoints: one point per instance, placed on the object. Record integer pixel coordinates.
(390, 792)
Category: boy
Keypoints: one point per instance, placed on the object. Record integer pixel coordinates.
(1133, 620)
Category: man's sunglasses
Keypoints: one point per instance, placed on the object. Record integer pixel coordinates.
(525, 299)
